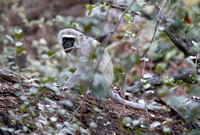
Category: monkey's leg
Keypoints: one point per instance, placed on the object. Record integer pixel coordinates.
(99, 87)
(119, 100)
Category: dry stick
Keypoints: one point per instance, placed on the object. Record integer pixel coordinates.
(151, 41)
(114, 29)
(144, 61)
(195, 71)
(67, 49)
(18, 77)
(55, 54)
(74, 112)
(123, 106)
(106, 15)
(81, 111)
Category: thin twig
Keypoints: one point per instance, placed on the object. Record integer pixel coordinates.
(151, 41)
(196, 60)
(67, 49)
(81, 112)
(74, 112)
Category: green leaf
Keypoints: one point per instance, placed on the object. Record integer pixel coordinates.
(67, 103)
(87, 28)
(20, 50)
(89, 7)
(145, 59)
(45, 56)
(120, 70)
(74, 25)
(127, 120)
(50, 53)
(77, 26)
(18, 33)
(93, 124)
(9, 50)
(135, 122)
(23, 107)
(16, 85)
(14, 67)
(119, 37)
(127, 16)
(161, 28)
(147, 86)
(96, 109)
(194, 90)
(154, 125)
(148, 75)
(166, 129)
(53, 119)
(144, 125)
(133, 48)
(10, 38)
(11, 63)
(18, 43)
(75, 126)
(62, 111)
(40, 21)
(33, 91)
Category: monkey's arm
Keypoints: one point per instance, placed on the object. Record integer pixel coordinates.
(77, 74)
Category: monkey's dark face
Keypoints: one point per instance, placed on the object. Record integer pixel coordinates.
(68, 44)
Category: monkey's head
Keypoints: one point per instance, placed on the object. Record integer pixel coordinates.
(69, 39)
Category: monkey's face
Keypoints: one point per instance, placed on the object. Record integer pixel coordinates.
(70, 39)
(68, 44)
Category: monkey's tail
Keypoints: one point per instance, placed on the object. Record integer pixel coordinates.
(115, 97)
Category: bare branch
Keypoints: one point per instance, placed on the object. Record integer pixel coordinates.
(184, 75)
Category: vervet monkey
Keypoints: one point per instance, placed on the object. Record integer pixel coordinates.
(83, 46)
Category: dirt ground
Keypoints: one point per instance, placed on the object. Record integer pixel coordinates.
(108, 121)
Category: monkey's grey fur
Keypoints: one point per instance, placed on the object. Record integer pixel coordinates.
(84, 47)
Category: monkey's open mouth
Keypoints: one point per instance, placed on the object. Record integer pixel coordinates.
(67, 50)
(68, 44)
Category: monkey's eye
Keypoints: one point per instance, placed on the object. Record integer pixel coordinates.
(81, 36)
(68, 40)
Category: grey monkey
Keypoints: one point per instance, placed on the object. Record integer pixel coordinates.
(83, 46)
(73, 40)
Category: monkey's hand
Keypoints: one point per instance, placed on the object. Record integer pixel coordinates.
(64, 87)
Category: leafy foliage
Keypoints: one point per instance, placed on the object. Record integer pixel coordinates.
(34, 58)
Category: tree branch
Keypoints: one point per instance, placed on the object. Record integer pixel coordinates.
(185, 75)
(184, 44)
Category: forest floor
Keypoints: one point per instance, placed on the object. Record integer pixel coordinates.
(110, 119)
